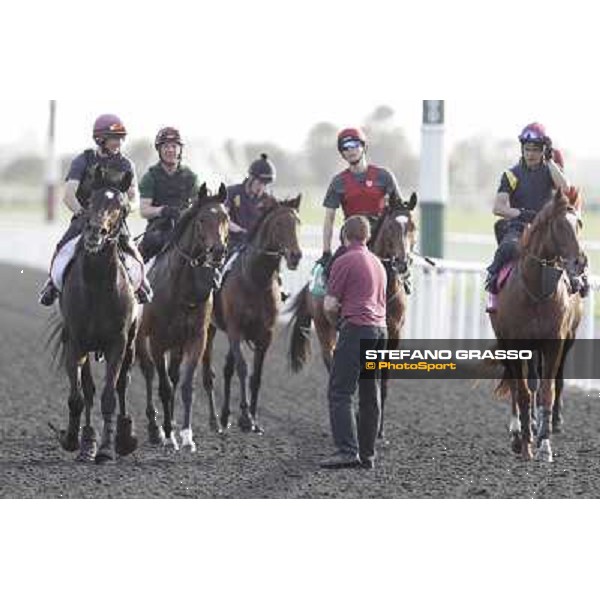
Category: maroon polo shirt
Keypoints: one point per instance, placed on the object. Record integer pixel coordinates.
(358, 281)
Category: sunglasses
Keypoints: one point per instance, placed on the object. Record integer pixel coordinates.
(351, 144)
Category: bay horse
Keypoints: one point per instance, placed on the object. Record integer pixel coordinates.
(99, 314)
(177, 320)
(537, 304)
(248, 303)
(392, 240)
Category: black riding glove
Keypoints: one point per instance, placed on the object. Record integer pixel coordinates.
(170, 212)
(325, 259)
(526, 215)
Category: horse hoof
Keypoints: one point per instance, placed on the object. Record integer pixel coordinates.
(156, 435)
(526, 453)
(68, 441)
(246, 424)
(187, 441)
(170, 444)
(89, 446)
(516, 443)
(225, 422)
(544, 454)
(257, 429)
(104, 456)
(216, 428)
(126, 445)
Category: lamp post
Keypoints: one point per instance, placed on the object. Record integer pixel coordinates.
(51, 166)
(433, 180)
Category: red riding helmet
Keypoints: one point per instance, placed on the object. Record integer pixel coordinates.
(108, 126)
(534, 133)
(168, 135)
(351, 134)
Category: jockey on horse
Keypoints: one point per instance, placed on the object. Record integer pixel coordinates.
(109, 133)
(246, 203)
(362, 189)
(166, 190)
(524, 190)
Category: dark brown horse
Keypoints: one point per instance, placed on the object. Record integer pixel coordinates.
(177, 320)
(99, 314)
(247, 305)
(392, 240)
(537, 304)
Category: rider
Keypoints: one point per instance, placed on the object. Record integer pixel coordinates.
(166, 190)
(246, 203)
(109, 133)
(524, 190)
(362, 189)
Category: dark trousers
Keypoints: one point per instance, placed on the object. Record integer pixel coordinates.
(345, 378)
(508, 248)
(158, 234)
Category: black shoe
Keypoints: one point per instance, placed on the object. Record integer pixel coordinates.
(49, 294)
(341, 461)
(285, 297)
(367, 463)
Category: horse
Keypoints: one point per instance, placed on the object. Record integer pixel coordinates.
(177, 320)
(537, 304)
(99, 314)
(392, 240)
(248, 303)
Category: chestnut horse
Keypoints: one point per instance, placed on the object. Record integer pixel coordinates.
(248, 303)
(393, 239)
(177, 320)
(537, 304)
(99, 314)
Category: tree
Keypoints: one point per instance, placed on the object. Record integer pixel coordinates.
(27, 169)
(321, 153)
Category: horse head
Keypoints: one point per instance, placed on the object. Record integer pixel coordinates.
(107, 209)
(277, 231)
(554, 236)
(394, 236)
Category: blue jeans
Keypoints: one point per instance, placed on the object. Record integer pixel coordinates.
(355, 433)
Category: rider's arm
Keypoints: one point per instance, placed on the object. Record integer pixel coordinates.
(328, 228)
(133, 193)
(148, 211)
(502, 207)
(70, 199)
(558, 177)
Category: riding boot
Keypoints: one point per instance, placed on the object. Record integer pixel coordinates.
(49, 293)
(584, 290)
(491, 281)
(284, 295)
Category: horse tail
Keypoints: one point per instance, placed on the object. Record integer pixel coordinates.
(55, 341)
(300, 323)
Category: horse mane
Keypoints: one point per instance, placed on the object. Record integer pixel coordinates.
(389, 210)
(561, 202)
(272, 206)
(181, 226)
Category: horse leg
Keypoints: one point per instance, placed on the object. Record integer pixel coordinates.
(192, 357)
(126, 442)
(165, 391)
(227, 377)
(514, 427)
(114, 360)
(156, 434)
(245, 421)
(552, 359)
(557, 411)
(260, 353)
(208, 380)
(175, 360)
(525, 409)
(89, 442)
(69, 440)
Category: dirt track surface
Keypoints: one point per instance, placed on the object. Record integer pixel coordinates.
(446, 439)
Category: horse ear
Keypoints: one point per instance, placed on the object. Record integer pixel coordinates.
(126, 181)
(202, 194)
(412, 203)
(222, 197)
(294, 202)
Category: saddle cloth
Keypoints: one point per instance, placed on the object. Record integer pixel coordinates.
(503, 276)
(134, 268)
